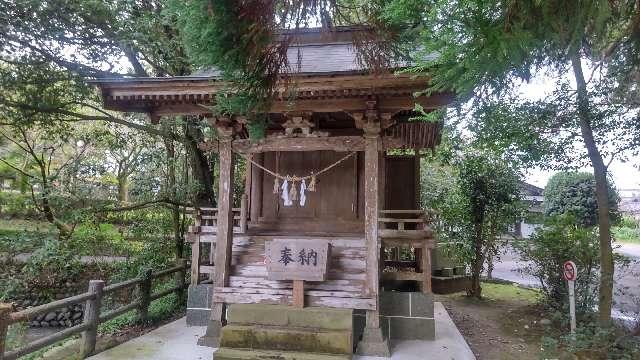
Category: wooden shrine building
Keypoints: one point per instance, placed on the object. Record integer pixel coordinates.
(328, 180)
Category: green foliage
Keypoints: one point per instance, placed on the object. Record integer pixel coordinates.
(17, 205)
(476, 199)
(574, 193)
(101, 239)
(546, 251)
(627, 231)
(591, 342)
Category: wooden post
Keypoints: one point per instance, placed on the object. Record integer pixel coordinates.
(298, 294)
(145, 295)
(195, 251)
(91, 316)
(371, 210)
(5, 310)
(224, 239)
(180, 279)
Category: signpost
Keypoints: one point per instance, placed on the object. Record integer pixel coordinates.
(297, 260)
(570, 272)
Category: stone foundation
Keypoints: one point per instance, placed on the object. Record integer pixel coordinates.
(403, 316)
(257, 331)
(199, 304)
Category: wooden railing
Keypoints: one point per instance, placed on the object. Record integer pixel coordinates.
(92, 311)
(203, 233)
(407, 229)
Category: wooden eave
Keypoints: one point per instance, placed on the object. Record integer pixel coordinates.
(306, 92)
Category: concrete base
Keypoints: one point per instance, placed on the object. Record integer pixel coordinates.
(199, 304)
(212, 337)
(176, 341)
(373, 343)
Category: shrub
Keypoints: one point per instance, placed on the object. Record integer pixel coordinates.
(549, 247)
(592, 342)
(574, 193)
(17, 205)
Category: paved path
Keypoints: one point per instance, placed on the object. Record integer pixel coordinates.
(176, 341)
(626, 287)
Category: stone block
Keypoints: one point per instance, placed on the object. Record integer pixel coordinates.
(400, 328)
(199, 296)
(321, 318)
(252, 354)
(258, 314)
(286, 339)
(198, 317)
(421, 305)
(394, 303)
(280, 315)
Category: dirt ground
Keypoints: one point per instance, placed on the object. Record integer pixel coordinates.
(503, 326)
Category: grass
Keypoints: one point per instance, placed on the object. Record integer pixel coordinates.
(509, 292)
(625, 234)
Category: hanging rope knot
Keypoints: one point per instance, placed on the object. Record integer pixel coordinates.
(312, 183)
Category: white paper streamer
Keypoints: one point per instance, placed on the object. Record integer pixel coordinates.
(303, 188)
(285, 193)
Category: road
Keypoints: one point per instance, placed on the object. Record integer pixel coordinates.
(626, 286)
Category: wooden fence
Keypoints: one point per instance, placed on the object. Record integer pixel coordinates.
(92, 311)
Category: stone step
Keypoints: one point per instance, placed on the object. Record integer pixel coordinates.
(280, 315)
(250, 354)
(287, 339)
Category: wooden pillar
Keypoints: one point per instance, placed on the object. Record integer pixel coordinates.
(371, 211)
(224, 236)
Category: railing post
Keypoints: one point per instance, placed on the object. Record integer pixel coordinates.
(180, 279)
(244, 201)
(5, 310)
(91, 316)
(145, 295)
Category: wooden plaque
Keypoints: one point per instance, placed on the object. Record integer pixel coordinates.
(294, 259)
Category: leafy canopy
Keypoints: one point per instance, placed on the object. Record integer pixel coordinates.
(574, 194)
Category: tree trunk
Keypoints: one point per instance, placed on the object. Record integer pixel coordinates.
(201, 170)
(123, 188)
(602, 196)
(478, 259)
(171, 187)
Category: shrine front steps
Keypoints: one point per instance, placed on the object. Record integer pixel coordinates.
(268, 332)
(254, 354)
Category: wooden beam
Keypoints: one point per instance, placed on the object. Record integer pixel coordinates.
(335, 143)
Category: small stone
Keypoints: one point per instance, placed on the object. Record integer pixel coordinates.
(77, 315)
(545, 322)
(44, 324)
(526, 326)
(50, 316)
(60, 316)
(53, 323)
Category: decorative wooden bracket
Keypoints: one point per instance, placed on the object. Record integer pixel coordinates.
(301, 121)
(371, 121)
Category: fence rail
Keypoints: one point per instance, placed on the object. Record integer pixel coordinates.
(92, 310)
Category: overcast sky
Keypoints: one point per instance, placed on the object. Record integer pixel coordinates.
(625, 175)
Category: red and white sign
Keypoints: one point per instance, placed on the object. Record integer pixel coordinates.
(570, 271)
